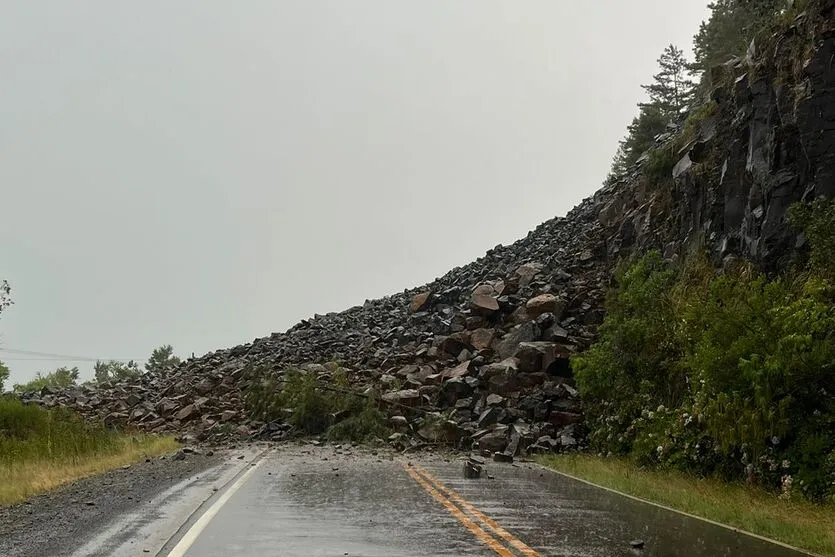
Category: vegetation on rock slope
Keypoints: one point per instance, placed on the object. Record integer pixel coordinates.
(731, 372)
(315, 401)
(679, 89)
(728, 373)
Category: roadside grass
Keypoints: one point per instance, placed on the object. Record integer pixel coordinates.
(41, 449)
(799, 523)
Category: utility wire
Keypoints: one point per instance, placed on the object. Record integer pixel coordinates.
(47, 356)
(59, 360)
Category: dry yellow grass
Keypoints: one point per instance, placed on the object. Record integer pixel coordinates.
(795, 522)
(25, 478)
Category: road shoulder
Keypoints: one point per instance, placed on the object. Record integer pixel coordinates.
(60, 522)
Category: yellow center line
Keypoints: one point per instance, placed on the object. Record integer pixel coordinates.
(492, 524)
(474, 528)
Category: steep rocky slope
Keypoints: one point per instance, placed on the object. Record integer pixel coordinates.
(489, 343)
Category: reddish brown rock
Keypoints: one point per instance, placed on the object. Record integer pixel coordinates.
(544, 303)
(482, 339)
(458, 371)
(484, 304)
(420, 301)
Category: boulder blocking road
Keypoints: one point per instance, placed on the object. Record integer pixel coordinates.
(303, 500)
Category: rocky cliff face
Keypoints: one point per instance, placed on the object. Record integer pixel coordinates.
(764, 141)
(489, 343)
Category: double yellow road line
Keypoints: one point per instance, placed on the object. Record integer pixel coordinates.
(473, 520)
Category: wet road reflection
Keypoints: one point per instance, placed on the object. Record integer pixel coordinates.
(321, 501)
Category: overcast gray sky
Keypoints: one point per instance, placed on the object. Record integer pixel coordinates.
(202, 173)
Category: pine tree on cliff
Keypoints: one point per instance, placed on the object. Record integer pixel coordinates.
(640, 136)
(670, 93)
(729, 29)
(672, 90)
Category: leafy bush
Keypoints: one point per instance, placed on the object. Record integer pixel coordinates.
(312, 409)
(60, 378)
(261, 395)
(732, 25)
(691, 126)
(364, 427)
(634, 341)
(660, 163)
(730, 374)
(4, 375)
(162, 359)
(817, 220)
(29, 432)
(314, 405)
(764, 358)
(115, 370)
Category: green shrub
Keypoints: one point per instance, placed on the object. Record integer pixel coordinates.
(635, 349)
(312, 409)
(764, 358)
(660, 163)
(29, 432)
(730, 374)
(364, 427)
(314, 405)
(60, 378)
(817, 221)
(690, 129)
(261, 395)
(4, 375)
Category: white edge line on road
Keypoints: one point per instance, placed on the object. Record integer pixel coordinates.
(688, 515)
(191, 535)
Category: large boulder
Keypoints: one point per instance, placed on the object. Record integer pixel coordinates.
(484, 304)
(501, 377)
(437, 429)
(493, 441)
(538, 356)
(484, 299)
(526, 332)
(545, 303)
(187, 413)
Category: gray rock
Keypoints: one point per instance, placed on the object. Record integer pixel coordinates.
(493, 442)
(491, 416)
(453, 390)
(437, 429)
(537, 356)
(472, 470)
(526, 332)
(405, 397)
(187, 413)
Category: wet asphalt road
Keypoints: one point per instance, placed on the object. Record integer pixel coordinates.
(329, 502)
